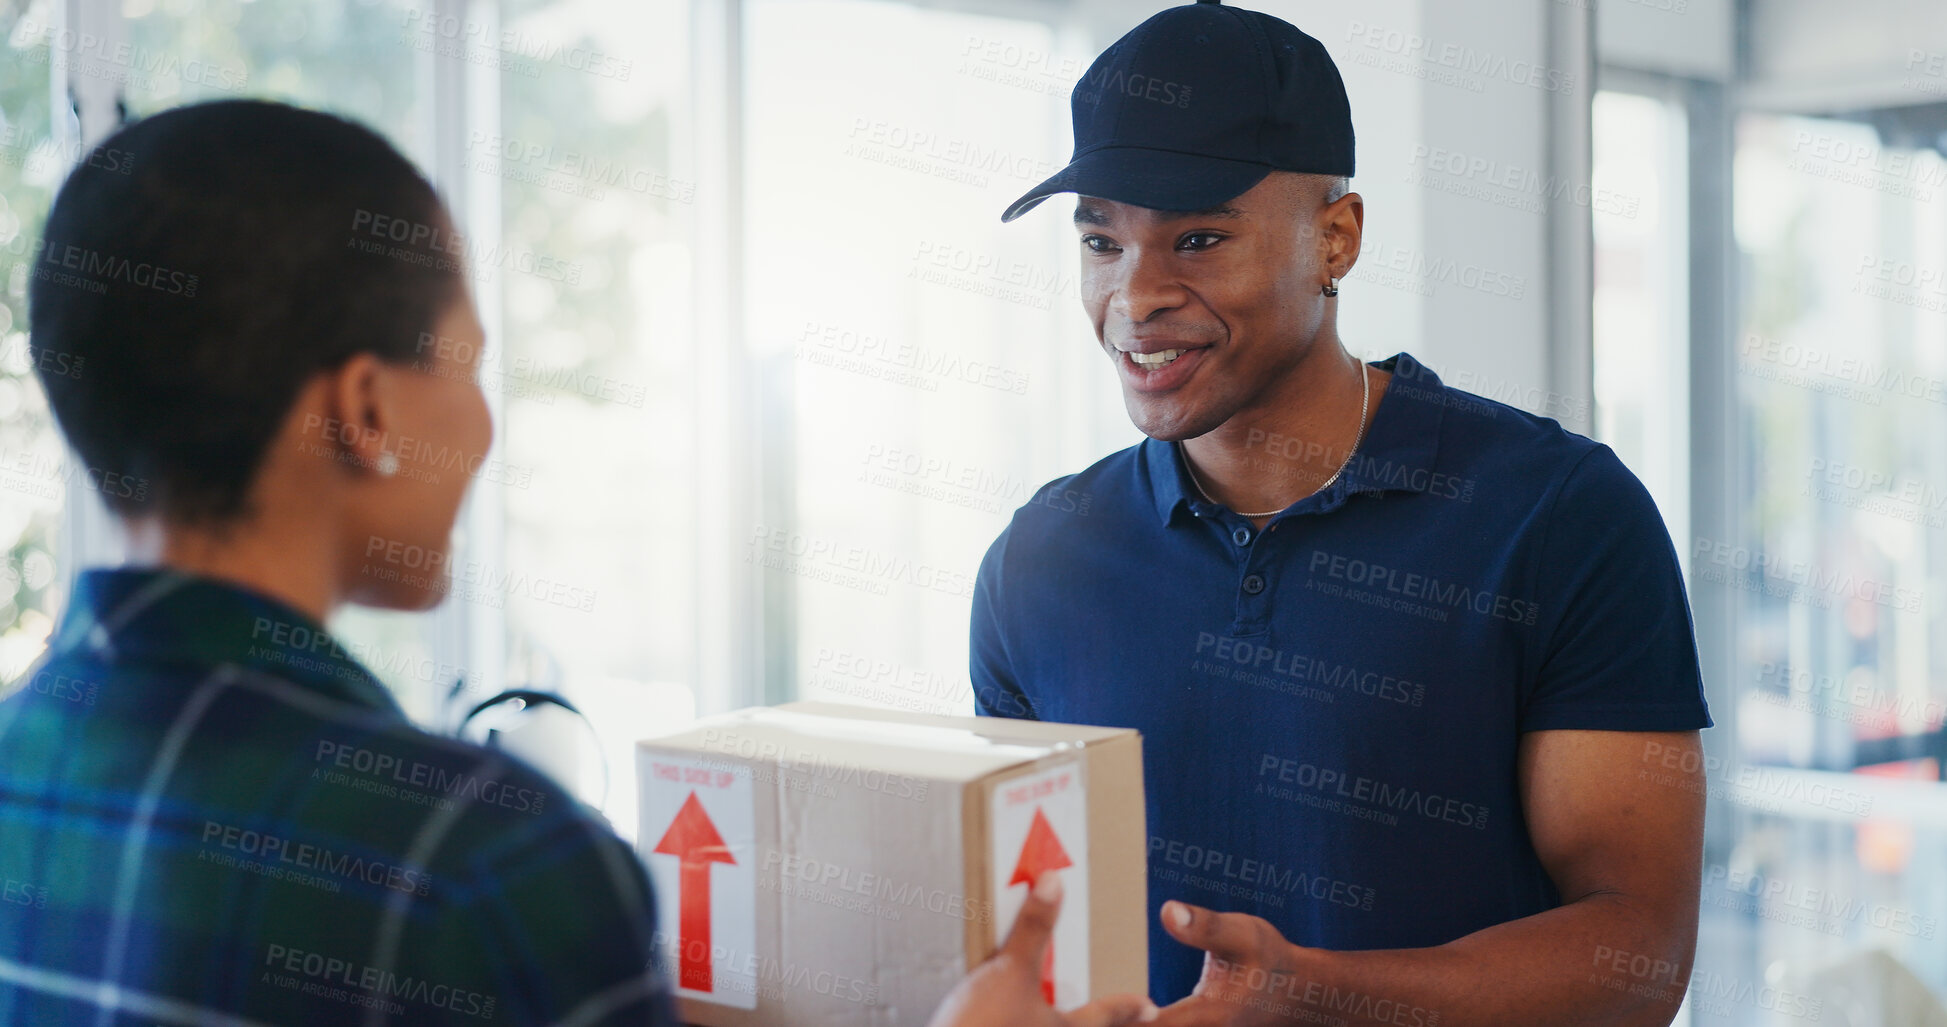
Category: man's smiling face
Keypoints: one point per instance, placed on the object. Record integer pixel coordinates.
(1205, 313)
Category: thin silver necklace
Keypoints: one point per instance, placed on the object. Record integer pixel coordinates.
(1365, 404)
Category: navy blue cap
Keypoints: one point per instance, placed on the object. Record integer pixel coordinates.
(1197, 105)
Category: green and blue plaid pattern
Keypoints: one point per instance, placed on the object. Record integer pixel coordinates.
(211, 814)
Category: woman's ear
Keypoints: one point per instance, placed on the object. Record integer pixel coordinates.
(360, 397)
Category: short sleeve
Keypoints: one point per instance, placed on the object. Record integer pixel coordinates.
(1617, 648)
(997, 692)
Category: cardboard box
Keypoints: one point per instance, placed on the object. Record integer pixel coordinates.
(824, 864)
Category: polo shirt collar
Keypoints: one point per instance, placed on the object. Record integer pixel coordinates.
(143, 615)
(1397, 455)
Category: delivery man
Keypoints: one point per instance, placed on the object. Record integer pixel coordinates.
(1414, 669)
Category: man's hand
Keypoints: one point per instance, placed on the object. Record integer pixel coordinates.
(1005, 991)
(1250, 972)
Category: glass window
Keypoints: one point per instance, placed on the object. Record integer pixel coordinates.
(1836, 569)
(358, 59)
(931, 367)
(583, 529)
(1642, 337)
(34, 469)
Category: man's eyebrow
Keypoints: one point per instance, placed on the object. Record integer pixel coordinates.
(1219, 211)
(1089, 214)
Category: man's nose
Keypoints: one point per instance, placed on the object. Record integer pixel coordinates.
(1148, 285)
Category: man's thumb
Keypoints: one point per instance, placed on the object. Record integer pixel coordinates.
(1225, 935)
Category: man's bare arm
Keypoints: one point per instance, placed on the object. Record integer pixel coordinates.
(1617, 819)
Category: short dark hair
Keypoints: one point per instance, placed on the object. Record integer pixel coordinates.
(203, 277)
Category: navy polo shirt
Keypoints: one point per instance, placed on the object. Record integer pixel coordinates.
(1331, 708)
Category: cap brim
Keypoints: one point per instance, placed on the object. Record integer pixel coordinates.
(1157, 179)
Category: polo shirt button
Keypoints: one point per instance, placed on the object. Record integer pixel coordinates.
(1253, 585)
(1241, 536)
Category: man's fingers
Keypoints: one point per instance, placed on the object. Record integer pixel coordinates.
(1035, 924)
(1230, 936)
(1114, 1011)
(1194, 1011)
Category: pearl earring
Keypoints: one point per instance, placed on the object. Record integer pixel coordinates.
(387, 464)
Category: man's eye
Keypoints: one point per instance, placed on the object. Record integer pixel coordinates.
(1200, 241)
(1098, 244)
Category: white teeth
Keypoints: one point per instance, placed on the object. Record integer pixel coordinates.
(1156, 359)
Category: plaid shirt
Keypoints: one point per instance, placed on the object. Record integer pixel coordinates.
(210, 814)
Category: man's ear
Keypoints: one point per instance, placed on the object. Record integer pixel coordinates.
(1343, 222)
(360, 397)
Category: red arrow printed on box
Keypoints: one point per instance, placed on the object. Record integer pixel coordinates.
(1041, 852)
(695, 843)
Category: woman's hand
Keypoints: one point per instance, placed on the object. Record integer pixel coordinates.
(1005, 991)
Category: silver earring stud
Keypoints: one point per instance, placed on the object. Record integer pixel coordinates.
(1331, 287)
(387, 464)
